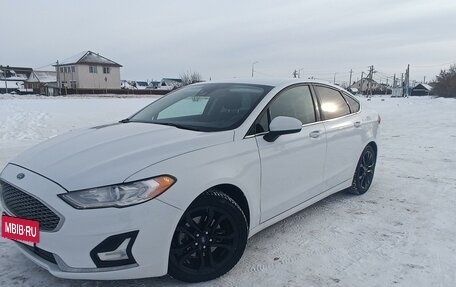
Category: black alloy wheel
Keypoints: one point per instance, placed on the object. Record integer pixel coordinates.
(209, 238)
(364, 173)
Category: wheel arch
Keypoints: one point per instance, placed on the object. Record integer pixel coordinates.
(374, 146)
(236, 194)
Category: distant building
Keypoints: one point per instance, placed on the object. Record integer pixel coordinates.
(39, 81)
(124, 84)
(422, 90)
(88, 70)
(365, 84)
(12, 79)
(134, 85)
(170, 84)
(15, 73)
(140, 85)
(153, 85)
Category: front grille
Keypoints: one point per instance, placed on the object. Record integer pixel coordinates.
(48, 256)
(25, 206)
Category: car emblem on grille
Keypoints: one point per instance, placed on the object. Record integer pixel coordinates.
(20, 176)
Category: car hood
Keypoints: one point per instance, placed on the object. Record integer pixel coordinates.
(109, 154)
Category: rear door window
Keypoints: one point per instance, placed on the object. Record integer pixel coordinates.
(352, 103)
(332, 104)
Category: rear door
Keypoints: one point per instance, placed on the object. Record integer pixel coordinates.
(344, 133)
(292, 166)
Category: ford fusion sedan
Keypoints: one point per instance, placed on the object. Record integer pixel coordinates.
(179, 187)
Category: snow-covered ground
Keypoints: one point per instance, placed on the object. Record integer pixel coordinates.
(401, 233)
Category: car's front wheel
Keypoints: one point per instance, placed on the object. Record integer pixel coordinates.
(209, 240)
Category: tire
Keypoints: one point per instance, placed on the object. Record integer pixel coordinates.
(364, 173)
(209, 239)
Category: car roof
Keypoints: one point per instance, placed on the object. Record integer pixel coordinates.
(274, 82)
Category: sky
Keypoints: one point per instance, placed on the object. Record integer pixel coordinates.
(222, 39)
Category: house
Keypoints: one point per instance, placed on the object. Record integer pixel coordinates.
(422, 90)
(365, 84)
(12, 79)
(15, 73)
(153, 85)
(134, 85)
(170, 84)
(38, 81)
(124, 84)
(88, 70)
(139, 85)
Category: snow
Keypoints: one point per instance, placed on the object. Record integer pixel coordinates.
(400, 233)
(43, 76)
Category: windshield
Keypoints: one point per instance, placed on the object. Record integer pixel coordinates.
(204, 107)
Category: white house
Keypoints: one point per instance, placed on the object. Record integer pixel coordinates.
(88, 70)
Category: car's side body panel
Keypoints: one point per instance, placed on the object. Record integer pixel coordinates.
(292, 169)
(236, 164)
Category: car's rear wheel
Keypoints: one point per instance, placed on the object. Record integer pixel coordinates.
(209, 240)
(364, 173)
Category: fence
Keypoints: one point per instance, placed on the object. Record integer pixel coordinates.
(64, 91)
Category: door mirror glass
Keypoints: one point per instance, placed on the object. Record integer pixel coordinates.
(282, 125)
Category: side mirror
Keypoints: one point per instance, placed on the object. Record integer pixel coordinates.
(282, 126)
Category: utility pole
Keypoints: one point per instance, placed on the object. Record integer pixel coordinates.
(424, 80)
(407, 80)
(295, 74)
(350, 82)
(386, 87)
(369, 84)
(253, 67)
(334, 82)
(402, 83)
(361, 83)
(58, 75)
(394, 81)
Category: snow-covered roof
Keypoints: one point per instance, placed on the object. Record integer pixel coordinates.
(426, 86)
(43, 76)
(88, 57)
(172, 80)
(142, 83)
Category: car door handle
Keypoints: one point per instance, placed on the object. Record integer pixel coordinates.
(357, 124)
(315, 134)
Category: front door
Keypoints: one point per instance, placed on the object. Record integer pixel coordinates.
(292, 166)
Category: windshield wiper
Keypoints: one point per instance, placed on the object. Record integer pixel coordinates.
(124, 121)
(179, 126)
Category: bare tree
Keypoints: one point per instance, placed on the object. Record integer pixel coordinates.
(190, 77)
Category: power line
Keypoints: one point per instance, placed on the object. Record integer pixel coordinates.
(45, 66)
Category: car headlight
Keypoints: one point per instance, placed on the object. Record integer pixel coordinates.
(119, 195)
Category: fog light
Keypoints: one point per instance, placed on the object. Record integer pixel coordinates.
(119, 254)
(115, 250)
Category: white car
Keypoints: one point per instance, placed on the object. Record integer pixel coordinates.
(180, 186)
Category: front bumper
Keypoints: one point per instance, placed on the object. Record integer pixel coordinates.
(82, 230)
